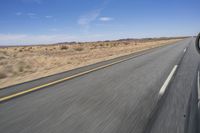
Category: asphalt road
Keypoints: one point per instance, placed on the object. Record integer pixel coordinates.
(173, 114)
(115, 99)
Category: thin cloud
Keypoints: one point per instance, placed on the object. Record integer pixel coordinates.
(48, 17)
(87, 19)
(32, 15)
(18, 13)
(105, 19)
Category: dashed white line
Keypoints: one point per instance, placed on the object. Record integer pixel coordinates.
(198, 86)
(198, 89)
(185, 50)
(167, 81)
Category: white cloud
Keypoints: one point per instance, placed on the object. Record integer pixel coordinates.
(48, 16)
(18, 13)
(32, 15)
(105, 19)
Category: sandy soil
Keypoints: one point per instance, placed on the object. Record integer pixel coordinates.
(20, 64)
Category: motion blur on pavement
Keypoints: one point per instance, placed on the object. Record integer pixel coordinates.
(99, 66)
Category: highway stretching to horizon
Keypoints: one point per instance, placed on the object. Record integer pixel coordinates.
(155, 91)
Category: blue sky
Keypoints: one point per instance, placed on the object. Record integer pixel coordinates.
(49, 21)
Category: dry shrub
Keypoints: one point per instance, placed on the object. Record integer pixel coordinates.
(135, 43)
(101, 44)
(107, 44)
(23, 67)
(28, 49)
(20, 50)
(63, 47)
(69, 62)
(79, 49)
(3, 55)
(113, 45)
(93, 47)
(126, 43)
(2, 75)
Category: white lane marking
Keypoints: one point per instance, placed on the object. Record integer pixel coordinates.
(198, 86)
(185, 50)
(198, 89)
(166, 83)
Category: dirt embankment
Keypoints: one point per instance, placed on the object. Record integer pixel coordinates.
(20, 64)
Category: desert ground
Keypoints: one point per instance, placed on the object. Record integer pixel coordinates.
(24, 63)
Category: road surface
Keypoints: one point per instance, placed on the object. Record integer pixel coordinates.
(122, 98)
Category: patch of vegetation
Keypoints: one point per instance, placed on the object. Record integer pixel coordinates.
(63, 47)
(20, 50)
(79, 49)
(2, 75)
